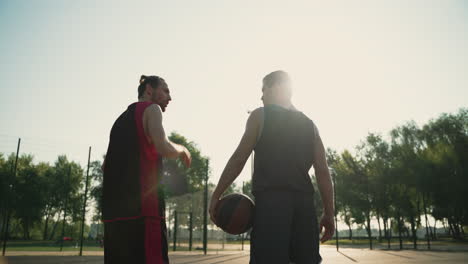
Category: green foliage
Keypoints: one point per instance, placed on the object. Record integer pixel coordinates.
(38, 194)
(196, 174)
(96, 176)
(247, 189)
(419, 170)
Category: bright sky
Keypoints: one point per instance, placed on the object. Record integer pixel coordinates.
(69, 68)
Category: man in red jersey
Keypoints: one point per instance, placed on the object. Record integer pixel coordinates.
(133, 208)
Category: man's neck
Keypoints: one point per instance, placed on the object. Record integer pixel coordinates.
(143, 99)
(286, 104)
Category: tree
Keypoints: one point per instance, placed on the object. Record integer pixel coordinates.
(247, 189)
(375, 152)
(5, 172)
(64, 185)
(96, 175)
(346, 196)
(446, 139)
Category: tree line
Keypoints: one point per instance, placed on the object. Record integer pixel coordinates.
(414, 173)
(402, 180)
(40, 195)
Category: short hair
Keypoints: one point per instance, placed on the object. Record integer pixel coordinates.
(280, 78)
(153, 80)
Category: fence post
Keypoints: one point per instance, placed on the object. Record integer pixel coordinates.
(205, 212)
(84, 205)
(191, 230)
(174, 245)
(7, 209)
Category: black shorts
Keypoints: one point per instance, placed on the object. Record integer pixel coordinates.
(285, 229)
(140, 241)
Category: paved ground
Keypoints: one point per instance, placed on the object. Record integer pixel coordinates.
(329, 254)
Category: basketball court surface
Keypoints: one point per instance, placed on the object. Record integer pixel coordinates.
(329, 255)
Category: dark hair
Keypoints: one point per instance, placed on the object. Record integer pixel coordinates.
(153, 80)
(280, 78)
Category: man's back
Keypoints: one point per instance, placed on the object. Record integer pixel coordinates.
(284, 151)
(122, 189)
(285, 227)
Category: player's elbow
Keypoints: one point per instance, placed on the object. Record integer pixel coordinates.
(166, 149)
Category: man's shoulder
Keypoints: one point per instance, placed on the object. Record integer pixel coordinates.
(257, 114)
(305, 116)
(152, 110)
(257, 111)
(143, 105)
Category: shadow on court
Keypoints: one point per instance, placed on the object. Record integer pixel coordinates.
(329, 255)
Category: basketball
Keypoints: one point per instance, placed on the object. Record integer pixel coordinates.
(234, 213)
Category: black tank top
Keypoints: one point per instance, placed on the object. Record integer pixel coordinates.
(283, 154)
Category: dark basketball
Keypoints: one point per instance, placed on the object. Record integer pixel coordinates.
(234, 213)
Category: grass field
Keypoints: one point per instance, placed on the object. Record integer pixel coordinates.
(393, 241)
(94, 246)
(51, 246)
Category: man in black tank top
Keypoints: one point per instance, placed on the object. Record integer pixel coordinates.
(286, 144)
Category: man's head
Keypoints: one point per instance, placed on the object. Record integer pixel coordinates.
(154, 89)
(276, 88)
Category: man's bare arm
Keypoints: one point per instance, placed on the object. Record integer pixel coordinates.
(323, 178)
(238, 159)
(326, 188)
(155, 130)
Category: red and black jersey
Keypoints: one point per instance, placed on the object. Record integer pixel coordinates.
(131, 172)
(135, 229)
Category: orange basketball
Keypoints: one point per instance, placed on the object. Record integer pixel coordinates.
(234, 213)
